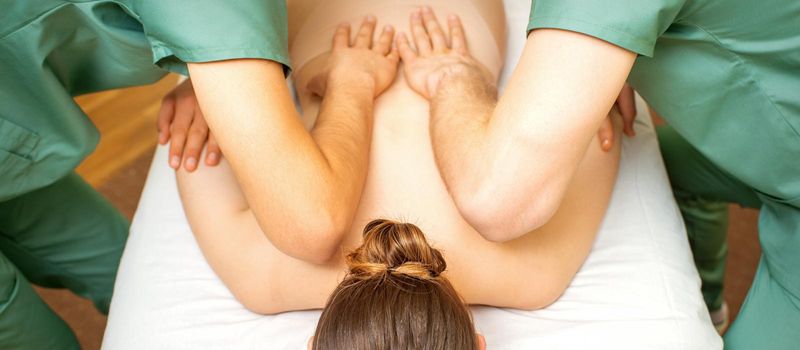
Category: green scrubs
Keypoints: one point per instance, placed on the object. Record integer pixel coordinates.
(54, 229)
(726, 76)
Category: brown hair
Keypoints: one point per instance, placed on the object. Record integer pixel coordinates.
(394, 297)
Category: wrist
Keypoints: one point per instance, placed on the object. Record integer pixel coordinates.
(352, 80)
(464, 81)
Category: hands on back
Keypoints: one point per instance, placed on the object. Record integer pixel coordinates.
(181, 124)
(375, 60)
(434, 57)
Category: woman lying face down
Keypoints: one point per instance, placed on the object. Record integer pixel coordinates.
(395, 297)
(384, 280)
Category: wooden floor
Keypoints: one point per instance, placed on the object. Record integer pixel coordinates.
(118, 168)
(126, 119)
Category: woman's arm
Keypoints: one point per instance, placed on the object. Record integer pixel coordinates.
(262, 278)
(303, 187)
(530, 272)
(508, 164)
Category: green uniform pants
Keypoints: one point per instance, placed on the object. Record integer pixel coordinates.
(65, 235)
(770, 316)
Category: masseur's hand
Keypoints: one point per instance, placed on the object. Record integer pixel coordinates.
(375, 60)
(627, 108)
(181, 123)
(437, 57)
(605, 134)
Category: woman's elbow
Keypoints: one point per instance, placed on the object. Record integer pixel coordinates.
(542, 295)
(261, 307)
(537, 302)
(258, 300)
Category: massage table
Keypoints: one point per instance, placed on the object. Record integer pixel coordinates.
(638, 289)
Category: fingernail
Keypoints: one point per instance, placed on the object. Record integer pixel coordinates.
(175, 162)
(212, 158)
(427, 9)
(415, 15)
(606, 143)
(370, 18)
(452, 17)
(388, 28)
(191, 162)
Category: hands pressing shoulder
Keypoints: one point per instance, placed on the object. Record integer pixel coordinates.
(434, 57)
(182, 125)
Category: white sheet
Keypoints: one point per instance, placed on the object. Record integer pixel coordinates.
(637, 290)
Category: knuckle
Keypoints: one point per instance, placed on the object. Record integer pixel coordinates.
(186, 101)
(175, 130)
(197, 132)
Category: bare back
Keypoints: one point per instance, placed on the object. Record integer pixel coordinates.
(403, 182)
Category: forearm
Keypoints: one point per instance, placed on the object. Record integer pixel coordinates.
(235, 247)
(342, 132)
(551, 255)
(303, 190)
(508, 165)
(479, 158)
(460, 114)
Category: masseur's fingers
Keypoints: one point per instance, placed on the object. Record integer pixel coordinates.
(421, 40)
(165, 116)
(196, 139)
(341, 38)
(213, 153)
(404, 48)
(627, 107)
(457, 37)
(384, 44)
(364, 35)
(606, 134)
(393, 55)
(184, 112)
(438, 40)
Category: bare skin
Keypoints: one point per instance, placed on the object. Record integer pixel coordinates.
(305, 211)
(503, 134)
(509, 163)
(403, 183)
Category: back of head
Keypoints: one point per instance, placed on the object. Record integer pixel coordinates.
(395, 297)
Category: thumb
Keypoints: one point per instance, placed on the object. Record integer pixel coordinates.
(627, 108)
(606, 133)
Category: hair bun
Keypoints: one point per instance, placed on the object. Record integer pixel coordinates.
(394, 248)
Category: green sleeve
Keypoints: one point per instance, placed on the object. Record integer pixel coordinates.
(631, 24)
(214, 30)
